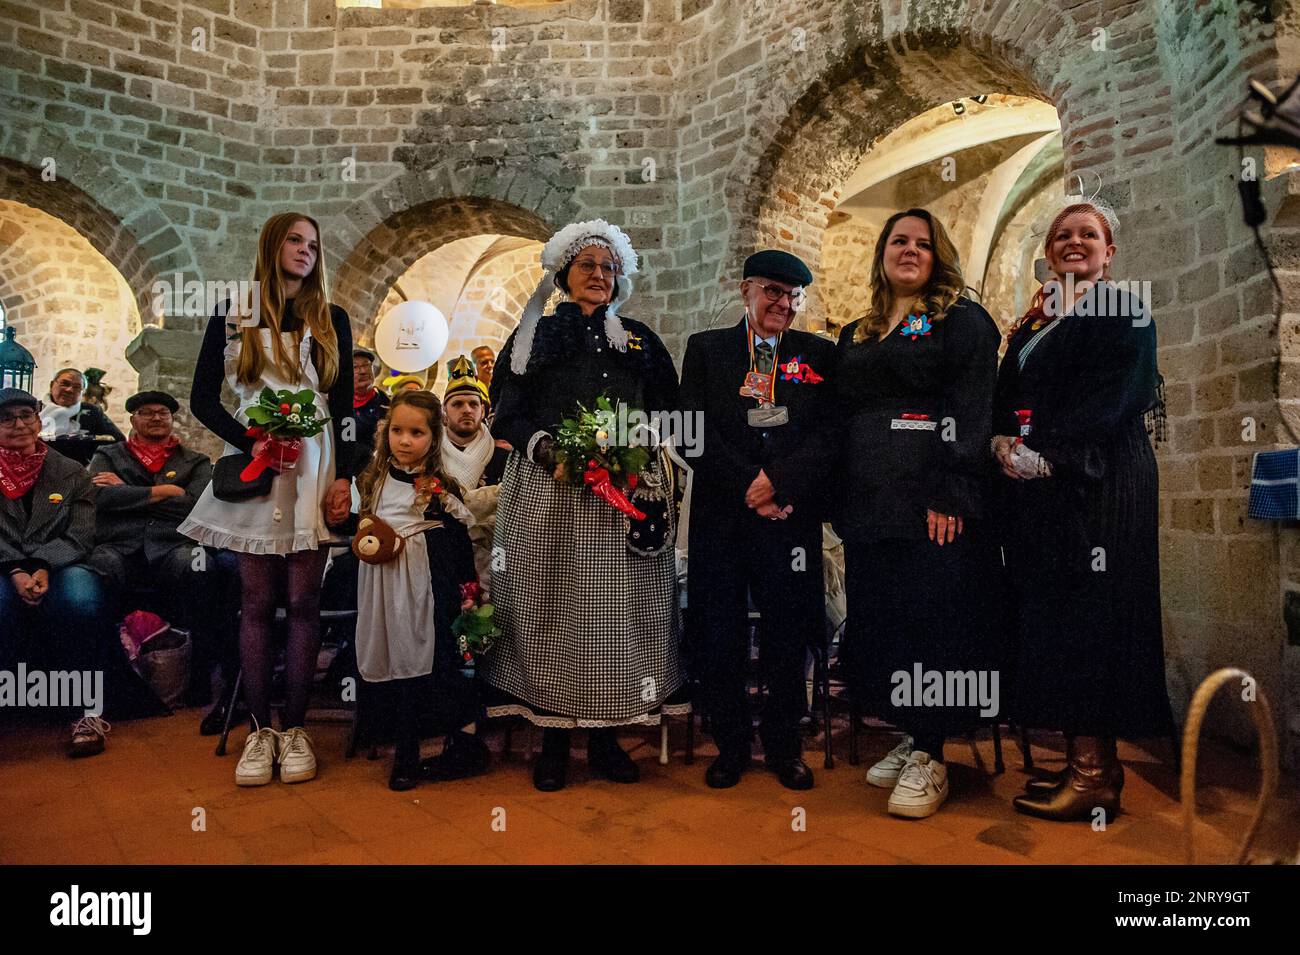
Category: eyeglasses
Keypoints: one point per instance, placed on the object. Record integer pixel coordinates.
(588, 266)
(160, 413)
(775, 293)
(17, 417)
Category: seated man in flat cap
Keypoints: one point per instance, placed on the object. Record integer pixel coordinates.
(144, 488)
(763, 392)
(471, 455)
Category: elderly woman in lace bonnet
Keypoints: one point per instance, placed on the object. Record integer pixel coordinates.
(591, 624)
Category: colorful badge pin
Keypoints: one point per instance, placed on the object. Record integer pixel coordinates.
(916, 326)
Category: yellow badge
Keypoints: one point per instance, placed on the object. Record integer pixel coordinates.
(171, 474)
(56, 498)
(634, 342)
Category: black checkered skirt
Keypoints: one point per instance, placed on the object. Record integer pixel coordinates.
(591, 631)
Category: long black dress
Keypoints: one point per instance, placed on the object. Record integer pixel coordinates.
(1081, 546)
(918, 411)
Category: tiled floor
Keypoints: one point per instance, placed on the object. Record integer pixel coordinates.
(142, 802)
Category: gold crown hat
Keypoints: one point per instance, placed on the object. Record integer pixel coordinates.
(559, 251)
(461, 378)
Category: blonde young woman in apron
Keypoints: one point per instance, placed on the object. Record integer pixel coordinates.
(298, 340)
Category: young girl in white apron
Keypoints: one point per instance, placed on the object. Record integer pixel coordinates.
(277, 536)
(406, 652)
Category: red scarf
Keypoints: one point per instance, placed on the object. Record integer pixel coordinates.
(152, 456)
(360, 399)
(18, 471)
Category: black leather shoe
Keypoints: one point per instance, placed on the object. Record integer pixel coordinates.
(550, 773)
(405, 776)
(611, 761)
(213, 723)
(464, 755)
(726, 770)
(793, 773)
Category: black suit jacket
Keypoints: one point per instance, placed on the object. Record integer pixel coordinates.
(125, 521)
(60, 529)
(797, 456)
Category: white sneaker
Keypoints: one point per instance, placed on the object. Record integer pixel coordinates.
(885, 773)
(922, 787)
(257, 765)
(294, 752)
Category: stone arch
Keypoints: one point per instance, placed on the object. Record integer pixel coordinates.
(107, 233)
(795, 179)
(413, 214)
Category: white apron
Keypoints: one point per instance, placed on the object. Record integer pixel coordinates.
(395, 622)
(289, 519)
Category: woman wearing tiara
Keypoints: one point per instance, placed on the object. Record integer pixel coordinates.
(1080, 516)
(591, 623)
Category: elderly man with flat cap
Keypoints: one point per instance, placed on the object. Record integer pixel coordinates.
(763, 393)
(144, 488)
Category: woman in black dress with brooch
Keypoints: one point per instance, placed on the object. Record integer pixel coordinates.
(1080, 507)
(915, 379)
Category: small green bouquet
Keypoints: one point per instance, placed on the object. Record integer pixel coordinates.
(283, 417)
(475, 629)
(586, 454)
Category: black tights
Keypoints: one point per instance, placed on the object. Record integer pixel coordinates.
(263, 577)
(931, 743)
(556, 742)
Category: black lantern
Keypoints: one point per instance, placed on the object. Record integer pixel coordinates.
(16, 364)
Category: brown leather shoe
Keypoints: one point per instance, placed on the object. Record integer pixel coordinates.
(1095, 781)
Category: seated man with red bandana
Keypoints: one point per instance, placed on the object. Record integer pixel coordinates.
(59, 651)
(144, 487)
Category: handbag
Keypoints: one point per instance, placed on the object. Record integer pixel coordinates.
(654, 497)
(227, 485)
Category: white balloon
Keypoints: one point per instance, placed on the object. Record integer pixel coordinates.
(411, 336)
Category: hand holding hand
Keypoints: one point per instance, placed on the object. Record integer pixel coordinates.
(337, 503)
(24, 584)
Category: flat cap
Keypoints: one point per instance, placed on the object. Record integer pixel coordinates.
(775, 264)
(152, 398)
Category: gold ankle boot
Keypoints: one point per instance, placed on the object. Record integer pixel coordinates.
(1095, 779)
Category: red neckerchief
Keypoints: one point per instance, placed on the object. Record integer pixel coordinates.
(18, 471)
(359, 400)
(152, 456)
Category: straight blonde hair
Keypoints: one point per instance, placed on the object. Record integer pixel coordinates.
(311, 305)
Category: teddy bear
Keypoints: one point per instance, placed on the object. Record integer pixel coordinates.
(376, 542)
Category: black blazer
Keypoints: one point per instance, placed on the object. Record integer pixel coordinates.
(892, 470)
(796, 456)
(57, 533)
(125, 521)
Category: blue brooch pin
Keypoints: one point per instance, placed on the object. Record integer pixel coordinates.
(915, 326)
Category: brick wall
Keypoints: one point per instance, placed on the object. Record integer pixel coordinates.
(707, 128)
